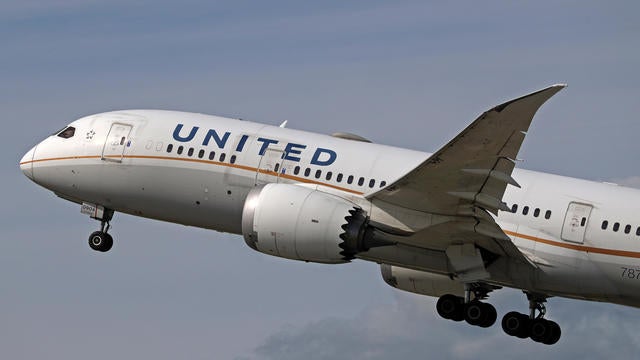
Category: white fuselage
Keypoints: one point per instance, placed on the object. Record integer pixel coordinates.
(197, 170)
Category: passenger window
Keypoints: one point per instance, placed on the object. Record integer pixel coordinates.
(212, 155)
(169, 148)
(180, 148)
(276, 168)
(296, 170)
(190, 152)
(638, 231)
(232, 159)
(360, 181)
(383, 183)
(583, 221)
(525, 210)
(514, 208)
(547, 214)
(307, 171)
(329, 174)
(222, 156)
(536, 212)
(616, 226)
(350, 179)
(372, 183)
(627, 229)
(605, 224)
(318, 174)
(339, 177)
(201, 153)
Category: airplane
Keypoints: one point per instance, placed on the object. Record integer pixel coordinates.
(456, 224)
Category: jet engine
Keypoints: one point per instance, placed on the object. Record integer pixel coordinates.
(420, 282)
(302, 223)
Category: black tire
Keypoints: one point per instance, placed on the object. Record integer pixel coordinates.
(516, 324)
(491, 315)
(108, 244)
(459, 314)
(540, 330)
(100, 241)
(525, 330)
(449, 306)
(554, 334)
(475, 313)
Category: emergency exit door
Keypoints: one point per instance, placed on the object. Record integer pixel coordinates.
(575, 222)
(116, 142)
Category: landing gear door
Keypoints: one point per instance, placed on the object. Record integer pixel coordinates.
(116, 142)
(575, 222)
(270, 166)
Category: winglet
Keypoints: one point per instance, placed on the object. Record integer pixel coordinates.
(540, 95)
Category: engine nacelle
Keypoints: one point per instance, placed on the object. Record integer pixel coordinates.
(302, 223)
(420, 282)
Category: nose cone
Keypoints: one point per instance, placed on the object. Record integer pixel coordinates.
(26, 163)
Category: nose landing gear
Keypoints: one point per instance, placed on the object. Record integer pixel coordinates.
(99, 240)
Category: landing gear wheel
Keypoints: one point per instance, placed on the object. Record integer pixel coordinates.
(100, 241)
(516, 324)
(556, 333)
(545, 331)
(450, 307)
(474, 313)
(480, 314)
(491, 316)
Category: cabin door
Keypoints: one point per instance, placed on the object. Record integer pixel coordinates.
(116, 142)
(575, 222)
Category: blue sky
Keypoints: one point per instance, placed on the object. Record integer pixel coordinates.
(403, 73)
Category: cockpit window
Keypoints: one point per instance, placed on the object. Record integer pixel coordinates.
(59, 131)
(68, 132)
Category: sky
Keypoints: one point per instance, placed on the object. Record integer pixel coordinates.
(402, 73)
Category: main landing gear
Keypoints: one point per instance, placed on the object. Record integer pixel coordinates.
(534, 326)
(101, 240)
(478, 313)
(474, 312)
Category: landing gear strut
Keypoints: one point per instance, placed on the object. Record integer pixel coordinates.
(533, 325)
(474, 312)
(101, 240)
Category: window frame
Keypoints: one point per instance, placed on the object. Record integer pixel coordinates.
(64, 132)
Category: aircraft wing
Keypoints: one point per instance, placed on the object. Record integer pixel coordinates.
(468, 176)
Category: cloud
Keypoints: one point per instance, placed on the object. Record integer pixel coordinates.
(631, 181)
(409, 329)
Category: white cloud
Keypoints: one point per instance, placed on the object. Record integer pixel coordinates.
(631, 181)
(410, 329)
